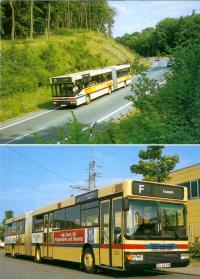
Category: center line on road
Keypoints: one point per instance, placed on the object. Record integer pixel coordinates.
(14, 124)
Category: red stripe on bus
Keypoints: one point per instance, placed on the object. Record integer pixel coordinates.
(136, 246)
(183, 246)
(125, 246)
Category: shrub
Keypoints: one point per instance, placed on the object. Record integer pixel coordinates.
(194, 247)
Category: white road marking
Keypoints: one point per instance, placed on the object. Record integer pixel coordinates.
(115, 111)
(21, 121)
(21, 137)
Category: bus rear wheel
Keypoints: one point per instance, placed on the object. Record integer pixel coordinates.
(88, 261)
(87, 99)
(37, 255)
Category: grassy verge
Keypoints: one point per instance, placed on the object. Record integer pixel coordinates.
(22, 103)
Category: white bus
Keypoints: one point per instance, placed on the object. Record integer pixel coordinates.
(82, 87)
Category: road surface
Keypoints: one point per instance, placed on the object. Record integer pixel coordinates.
(25, 268)
(46, 123)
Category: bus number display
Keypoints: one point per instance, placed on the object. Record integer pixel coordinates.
(157, 190)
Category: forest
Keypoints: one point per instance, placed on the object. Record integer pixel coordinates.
(165, 37)
(27, 19)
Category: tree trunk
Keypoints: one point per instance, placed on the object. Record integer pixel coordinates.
(89, 8)
(68, 14)
(31, 29)
(48, 20)
(13, 20)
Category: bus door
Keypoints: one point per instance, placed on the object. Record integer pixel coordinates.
(105, 245)
(116, 231)
(48, 235)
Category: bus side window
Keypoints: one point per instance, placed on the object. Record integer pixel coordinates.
(38, 223)
(75, 217)
(59, 219)
(18, 227)
(117, 221)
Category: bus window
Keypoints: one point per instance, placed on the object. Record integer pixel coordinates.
(18, 227)
(105, 223)
(117, 219)
(6, 230)
(14, 227)
(9, 229)
(38, 223)
(22, 226)
(75, 217)
(59, 219)
(89, 214)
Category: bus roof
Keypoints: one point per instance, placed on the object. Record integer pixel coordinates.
(15, 218)
(107, 190)
(78, 75)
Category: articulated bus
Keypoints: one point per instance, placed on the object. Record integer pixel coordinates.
(82, 87)
(130, 225)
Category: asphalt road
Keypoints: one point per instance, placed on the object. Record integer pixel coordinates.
(25, 268)
(46, 123)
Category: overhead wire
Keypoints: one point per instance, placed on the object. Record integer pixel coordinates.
(58, 176)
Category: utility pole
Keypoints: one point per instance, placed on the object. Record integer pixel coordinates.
(92, 175)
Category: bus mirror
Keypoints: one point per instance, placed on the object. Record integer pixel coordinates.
(125, 204)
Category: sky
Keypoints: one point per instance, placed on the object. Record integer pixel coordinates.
(34, 176)
(135, 16)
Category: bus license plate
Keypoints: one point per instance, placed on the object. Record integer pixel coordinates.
(163, 265)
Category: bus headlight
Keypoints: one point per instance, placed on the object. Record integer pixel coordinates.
(132, 257)
(184, 256)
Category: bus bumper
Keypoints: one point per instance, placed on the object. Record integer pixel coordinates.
(65, 103)
(152, 260)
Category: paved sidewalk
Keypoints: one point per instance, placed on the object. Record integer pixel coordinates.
(191, 269)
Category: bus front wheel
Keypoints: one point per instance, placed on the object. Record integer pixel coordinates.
(88, 261)
(38, 255)
(87, 99)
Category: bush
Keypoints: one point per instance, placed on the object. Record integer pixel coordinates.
(194, 247)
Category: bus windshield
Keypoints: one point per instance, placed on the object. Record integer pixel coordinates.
(155, 220)
(63, 90)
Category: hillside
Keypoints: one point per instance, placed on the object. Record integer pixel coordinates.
(28, 65)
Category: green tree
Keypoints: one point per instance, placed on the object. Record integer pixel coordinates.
(153, 165)
(7, 215)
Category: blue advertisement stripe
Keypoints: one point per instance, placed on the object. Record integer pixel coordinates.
(162, 246)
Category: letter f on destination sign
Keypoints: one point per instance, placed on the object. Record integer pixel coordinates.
(141, 188)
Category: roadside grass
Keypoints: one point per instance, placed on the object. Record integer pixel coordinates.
(28, 65)
(22, 103)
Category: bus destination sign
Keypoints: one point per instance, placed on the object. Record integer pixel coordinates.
(157, 190)
(87, 196)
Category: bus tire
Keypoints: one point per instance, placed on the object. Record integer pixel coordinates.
(88, 261)
(87, 99)
(13, 255)
(109, 91)
(38, 255)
